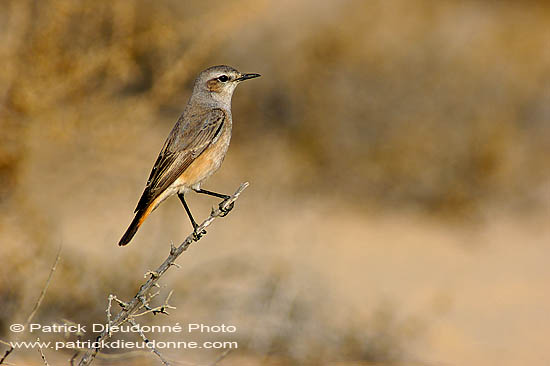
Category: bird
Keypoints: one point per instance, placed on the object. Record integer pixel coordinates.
(194, 149)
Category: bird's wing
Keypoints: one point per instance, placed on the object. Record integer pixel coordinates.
(188, 139)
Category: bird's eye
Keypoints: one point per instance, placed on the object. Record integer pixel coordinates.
(223, 78)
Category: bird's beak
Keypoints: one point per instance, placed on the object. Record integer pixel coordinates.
(247, 76)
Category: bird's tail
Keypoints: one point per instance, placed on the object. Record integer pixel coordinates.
(134, 226)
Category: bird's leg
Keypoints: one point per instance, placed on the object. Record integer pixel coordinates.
(196, 235)
(210, 193)
(225, 197)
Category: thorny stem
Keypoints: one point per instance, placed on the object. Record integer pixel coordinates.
(129, 309)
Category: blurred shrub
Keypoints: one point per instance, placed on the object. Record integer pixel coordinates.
(440, 106)
(437, 105)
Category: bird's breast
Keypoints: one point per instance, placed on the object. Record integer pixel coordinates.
(206, 163)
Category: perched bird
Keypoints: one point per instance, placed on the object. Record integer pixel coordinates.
(195, 148)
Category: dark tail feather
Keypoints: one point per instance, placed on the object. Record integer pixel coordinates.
(134, 226)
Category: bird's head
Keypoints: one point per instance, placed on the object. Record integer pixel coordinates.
(219, 83)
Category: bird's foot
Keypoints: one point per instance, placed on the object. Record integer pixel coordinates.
(198, 234)
(225, 211)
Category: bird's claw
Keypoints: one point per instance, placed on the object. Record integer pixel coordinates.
(224, 210)
(197, 235)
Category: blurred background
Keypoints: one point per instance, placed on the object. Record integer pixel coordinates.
(397, 153)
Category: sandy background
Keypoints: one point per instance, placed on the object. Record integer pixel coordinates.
(396, 150)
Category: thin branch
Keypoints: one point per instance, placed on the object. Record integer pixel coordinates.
(146, 340)
(157, 310)
(120, 302)
(6, 354)
(36, 305)
(42, 353)
(108, 311)
(73, 357)
(43, 293)
(129, 309)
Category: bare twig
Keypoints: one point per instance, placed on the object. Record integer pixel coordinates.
(108, 311)
(42, 353)
(36, 306)
(157, 310)
(43, 292)
(129, 309)
(79, 334)
(146, 340)
(7, 353)
(73, 357)
(120, 302)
